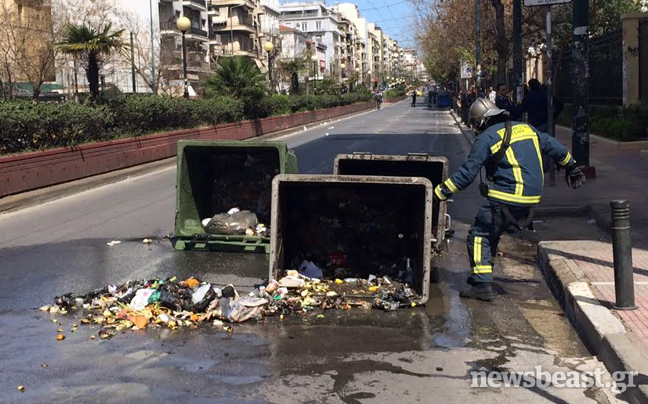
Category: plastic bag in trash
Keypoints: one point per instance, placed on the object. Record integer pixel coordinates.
(237, 311)
(235, 223)
(141, 298)
(202, 297)
(310, 270)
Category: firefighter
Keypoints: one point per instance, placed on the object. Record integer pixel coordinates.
(511, 153)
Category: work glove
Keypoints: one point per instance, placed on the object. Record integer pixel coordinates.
(574, 177)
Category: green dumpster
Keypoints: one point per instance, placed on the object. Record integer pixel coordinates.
(215, 176)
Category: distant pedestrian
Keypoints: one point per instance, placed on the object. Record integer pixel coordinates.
(379, 99)
(413, 98)
(492, 95)
(464, 106)
(470, 100)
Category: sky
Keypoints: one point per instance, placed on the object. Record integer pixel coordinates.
(395, 17)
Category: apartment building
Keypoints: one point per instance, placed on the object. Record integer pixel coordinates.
(238, 24)
(359, 38)
(393, 57)
(270, 20)
(201, 40)
(26, 57)
(324, 27)
(410, 61)
(376, 58)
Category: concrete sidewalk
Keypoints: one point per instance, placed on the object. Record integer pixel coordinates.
(620, 174)
(581, 272)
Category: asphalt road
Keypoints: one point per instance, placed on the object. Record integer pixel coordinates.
(422, 355)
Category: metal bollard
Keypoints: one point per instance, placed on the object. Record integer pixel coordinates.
(622, 249)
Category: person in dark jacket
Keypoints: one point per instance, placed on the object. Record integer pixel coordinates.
(503, 100)
(513, 164)
(535, 105)
(470, 99)
(414, 98)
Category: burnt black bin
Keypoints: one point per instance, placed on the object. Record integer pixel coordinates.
(434, 168)
(373, 220)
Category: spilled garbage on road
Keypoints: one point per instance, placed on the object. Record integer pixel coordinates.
(170, 303)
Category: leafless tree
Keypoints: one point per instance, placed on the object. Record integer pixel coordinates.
(26, 52)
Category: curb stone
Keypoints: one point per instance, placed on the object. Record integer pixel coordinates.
(464, 131)
(603, 333)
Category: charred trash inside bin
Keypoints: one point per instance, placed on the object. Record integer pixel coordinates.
(353, 227)
(434, 168)
(223, 193)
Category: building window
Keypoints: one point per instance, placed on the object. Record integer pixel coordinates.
(304, 26)
(318, 25)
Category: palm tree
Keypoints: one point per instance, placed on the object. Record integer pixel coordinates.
(238, 77)
(91, 45)
(292, 68)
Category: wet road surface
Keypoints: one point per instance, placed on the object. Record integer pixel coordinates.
(421, 355)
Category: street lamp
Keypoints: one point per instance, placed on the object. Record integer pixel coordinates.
(314, 59)
(269, 47)
(183, 25)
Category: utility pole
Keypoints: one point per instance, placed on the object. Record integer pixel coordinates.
(550, 106)
(477, 45)
(132, 57)
(580, 78)
(153, 80)
(76, 82)
(517, 49)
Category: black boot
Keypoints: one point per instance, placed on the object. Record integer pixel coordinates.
(480, 291)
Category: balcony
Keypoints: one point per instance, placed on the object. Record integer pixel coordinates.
(31, 3)
(215, 39)
(231, 3)
(237, 26)
(200, 5)
(227, 51)
(198, 32)
(195, 61)
(212, 10)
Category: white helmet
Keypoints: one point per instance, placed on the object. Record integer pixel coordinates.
(481, 110)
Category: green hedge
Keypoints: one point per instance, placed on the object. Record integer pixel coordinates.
(625, 124)
(393, 93)
(26, 126)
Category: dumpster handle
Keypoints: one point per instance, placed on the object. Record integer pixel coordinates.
(424, 155)
(448, 222)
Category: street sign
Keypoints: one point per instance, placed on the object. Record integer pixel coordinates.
(533, 3)
(466, 71)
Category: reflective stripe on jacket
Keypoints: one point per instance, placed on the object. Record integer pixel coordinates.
(519, 177)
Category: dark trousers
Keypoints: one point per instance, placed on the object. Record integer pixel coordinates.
(484, 237)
